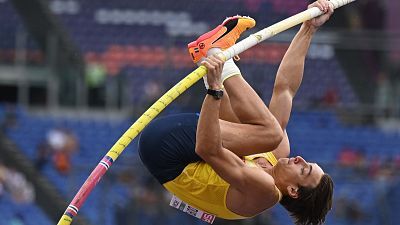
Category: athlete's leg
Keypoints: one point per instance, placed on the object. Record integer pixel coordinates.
(226, 112)
(257, 130)
(260, 131)
(245, 102)
(241, 101)
(247, 126)
(167, 145)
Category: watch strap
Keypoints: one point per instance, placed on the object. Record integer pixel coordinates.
(217, 94)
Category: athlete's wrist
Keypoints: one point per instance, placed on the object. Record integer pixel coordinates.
(215, 84)
(216, 93)
(308, 28)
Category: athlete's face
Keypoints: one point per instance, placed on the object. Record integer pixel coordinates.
(298, 172)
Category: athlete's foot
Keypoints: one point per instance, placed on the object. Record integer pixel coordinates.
(223, 36)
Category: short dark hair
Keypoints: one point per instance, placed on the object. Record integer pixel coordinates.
(312, 204)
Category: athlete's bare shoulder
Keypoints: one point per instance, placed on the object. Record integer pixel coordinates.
(260, 193)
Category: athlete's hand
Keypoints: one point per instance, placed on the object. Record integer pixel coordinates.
(326, 7)
(214, 67)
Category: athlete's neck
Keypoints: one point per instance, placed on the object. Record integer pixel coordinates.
(278, 183)
(268, 168)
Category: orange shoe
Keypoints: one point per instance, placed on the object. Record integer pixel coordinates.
(223, 36)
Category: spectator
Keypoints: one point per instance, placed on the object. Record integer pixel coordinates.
(16, 184)
(350, 157)
(57, 138)
(95, 77)
(59, 145)
(331, 97)
(374, 166)
(43, 155)
(353, 161)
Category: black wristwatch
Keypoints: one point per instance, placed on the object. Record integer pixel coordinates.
(217, 94)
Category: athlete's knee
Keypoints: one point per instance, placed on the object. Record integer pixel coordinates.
(273, 132)
(144, 136)
(146, 139)
(277, 137)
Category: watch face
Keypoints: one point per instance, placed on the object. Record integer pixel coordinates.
(220, 94)
(217, 94)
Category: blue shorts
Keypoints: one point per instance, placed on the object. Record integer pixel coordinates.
(167, 145)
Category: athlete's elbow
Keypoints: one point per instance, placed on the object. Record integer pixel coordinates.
(274, 135)
(277, 138)
(200, 150)
(206, 151)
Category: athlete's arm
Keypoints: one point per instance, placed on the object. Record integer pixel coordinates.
(208, 135)
(290, 72)
(209, 144)
(287, 82)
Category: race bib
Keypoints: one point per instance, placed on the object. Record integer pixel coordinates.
(183, 206)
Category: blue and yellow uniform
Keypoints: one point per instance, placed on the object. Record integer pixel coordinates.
(167, 146)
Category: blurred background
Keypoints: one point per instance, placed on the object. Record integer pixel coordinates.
(75, 74)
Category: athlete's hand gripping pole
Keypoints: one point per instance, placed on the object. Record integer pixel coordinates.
(276, 28)
(171, 95)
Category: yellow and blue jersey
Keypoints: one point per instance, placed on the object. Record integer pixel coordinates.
(201, 187)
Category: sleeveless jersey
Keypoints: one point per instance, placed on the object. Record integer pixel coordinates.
(201, 187)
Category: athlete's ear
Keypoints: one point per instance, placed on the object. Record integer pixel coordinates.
(293, 191)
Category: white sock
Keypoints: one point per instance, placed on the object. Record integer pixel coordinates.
(230, 68)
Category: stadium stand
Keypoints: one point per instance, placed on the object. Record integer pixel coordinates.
(318, 136)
